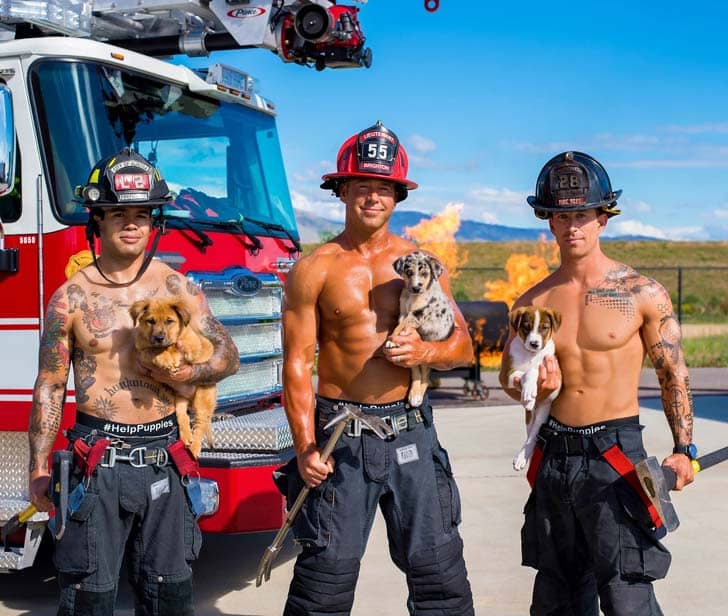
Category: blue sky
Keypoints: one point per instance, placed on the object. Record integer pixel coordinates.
(482, 94)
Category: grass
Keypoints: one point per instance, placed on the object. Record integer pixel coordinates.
(706, 352)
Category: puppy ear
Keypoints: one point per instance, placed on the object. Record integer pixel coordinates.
(555, 319)
(137, 308)
(435, 266)
(516, 316)
(398, 265)
(182, 312)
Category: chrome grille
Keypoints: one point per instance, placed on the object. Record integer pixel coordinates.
(266, 304)
(257, 338)
(261, 377)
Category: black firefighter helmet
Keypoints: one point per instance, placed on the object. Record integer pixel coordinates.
(573, 181)
(124, 179)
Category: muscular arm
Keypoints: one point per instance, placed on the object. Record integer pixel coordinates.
(225, 359)
(662, 338)
(455, 351)
(49, 395)
(300, 327)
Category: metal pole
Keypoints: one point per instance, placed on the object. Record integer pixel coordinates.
(679, 294)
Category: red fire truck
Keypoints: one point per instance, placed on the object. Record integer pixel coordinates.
(78, 80)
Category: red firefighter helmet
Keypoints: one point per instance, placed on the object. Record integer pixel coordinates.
(373, 153)
(573, 181)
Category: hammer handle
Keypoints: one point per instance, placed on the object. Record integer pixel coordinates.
(699, 464)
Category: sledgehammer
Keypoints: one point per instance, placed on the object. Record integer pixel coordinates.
(657, 481)
(376, 424)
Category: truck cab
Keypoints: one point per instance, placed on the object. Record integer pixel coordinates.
(65, 103)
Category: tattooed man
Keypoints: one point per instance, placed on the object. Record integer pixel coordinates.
(132, 495)
(587, 532)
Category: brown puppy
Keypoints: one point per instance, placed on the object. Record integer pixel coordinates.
(163, 337)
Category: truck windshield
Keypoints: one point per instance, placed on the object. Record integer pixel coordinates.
(221, 160)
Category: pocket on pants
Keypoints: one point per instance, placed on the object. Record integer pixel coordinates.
(312, 526)
(75, 552)
(447, 490)
(193, 535)
(642, 556)
(529, 535)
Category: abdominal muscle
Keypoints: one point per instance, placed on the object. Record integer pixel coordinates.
(597, 386)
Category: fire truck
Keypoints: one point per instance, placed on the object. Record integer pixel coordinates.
(81, 79)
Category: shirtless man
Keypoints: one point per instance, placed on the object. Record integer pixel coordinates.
(345, 297)
(586, 531)
(138, 501)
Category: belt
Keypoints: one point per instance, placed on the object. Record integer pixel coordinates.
(565, 443)
(138, 457)
(399, 422)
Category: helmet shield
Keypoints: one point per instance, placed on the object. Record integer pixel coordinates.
(124, 179)
(373, 153)
(573, 181)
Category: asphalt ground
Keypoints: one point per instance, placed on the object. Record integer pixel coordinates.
(481, 437)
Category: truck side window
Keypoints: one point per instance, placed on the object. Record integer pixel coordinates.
(10, 204)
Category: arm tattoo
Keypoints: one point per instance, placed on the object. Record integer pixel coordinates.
(224, 361)
(45, 419)
(173, 284)
(669, 362)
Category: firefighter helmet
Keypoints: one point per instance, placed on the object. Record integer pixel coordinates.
(373, 153)
(124, 179)
(573, 181)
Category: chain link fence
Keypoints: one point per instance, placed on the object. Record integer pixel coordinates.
(699, 292)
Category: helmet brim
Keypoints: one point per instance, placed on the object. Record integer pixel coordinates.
(331, 180)
(152, 203)
(537, 205)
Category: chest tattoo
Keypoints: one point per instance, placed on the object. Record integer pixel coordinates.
(617, 291)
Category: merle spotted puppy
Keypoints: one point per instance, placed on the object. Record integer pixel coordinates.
(424, 307)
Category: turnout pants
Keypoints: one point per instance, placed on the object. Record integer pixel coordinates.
(410, 479)
(586, 530)
(140, 509)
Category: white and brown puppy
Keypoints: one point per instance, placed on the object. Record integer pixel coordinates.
(423, 306)
(534, 328)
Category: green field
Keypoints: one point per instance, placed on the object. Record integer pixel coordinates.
(704, 270)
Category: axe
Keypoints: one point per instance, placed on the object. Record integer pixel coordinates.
(657, 481)
(376, 424)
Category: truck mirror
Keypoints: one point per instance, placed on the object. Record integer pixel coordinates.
(7, 141)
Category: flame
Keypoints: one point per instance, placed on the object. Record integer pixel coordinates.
(523, 271)
(437, 235)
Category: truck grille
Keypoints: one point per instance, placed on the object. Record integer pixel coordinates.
(249, 306)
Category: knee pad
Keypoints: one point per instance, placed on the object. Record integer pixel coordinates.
(77, 602)
(438, 581)
(322, 586)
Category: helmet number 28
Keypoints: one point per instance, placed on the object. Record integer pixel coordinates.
(379, 151)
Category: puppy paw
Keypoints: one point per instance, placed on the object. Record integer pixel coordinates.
(195, 449)
(415, 399)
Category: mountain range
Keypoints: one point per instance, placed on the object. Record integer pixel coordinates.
(313, 228)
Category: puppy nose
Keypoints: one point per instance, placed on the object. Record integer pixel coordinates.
(159, 338)
(534, 344)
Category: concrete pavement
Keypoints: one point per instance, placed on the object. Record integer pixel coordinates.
(481, 438)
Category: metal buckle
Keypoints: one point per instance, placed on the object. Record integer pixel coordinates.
(354, 429)
(111, 451)
(139, 452)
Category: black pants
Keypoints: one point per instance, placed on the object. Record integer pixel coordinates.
(589, 535)
(143, 512)
(410, 479)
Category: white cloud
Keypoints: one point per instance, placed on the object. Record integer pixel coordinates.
(696, 129)
(331, 209)
(721, 212)
(636, 227)
(420, 144)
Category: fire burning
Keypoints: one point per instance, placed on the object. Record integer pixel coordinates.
(437, 235)
(523, 271)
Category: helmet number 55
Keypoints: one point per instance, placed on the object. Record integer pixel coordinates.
(377, 151)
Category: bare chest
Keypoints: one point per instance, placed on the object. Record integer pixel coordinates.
(595, 319)
(356, 290)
